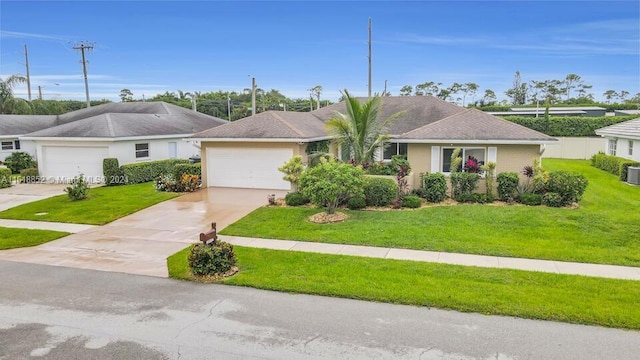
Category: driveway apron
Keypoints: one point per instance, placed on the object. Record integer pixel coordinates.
(141, 242)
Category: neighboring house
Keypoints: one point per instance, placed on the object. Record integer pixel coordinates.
(594, 111)
(248, 152)
(627, 112)
(14, 126)
(131, 132)
(623, 139)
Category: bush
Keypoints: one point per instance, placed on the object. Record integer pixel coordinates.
(5, 178)
(357, 202)
(292, 170)
(189, 169)
(379, 191)
(78, 189)
(411, 201)
(552, 199)
(464, 183)
(19, 160)
(187, 183)
(216, 258)
(295, 199)
(531, 199)
(434, 187)
(112, 172)
(568, 125)
(507, 185)
(150, 170)
(331, 183)
(613, 164)
(419, 192)
(30, 175)
(569, 186)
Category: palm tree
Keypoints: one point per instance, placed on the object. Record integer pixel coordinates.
(360, 129)
(7, 101)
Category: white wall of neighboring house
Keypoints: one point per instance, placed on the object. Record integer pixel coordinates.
(626, 148)
(25, 146)
(61, 160)
(575, 147)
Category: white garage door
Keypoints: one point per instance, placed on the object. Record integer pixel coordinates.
(66, 162)
(247, 168)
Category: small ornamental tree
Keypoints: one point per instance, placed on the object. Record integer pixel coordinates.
(331, 183)
(292, 171)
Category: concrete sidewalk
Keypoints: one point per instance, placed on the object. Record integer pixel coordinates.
(45, 225)
(557, 267)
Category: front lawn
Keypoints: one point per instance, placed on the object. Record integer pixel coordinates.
(575, 299)
(11, 238)
(104, 204)
(603, 230)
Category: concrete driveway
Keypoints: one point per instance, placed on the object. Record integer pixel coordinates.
(25, 193)
(141, 242)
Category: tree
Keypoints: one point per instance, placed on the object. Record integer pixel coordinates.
(549, 89)
(582, 91)
(518, 92)
(406, 90)
(315, 92)
(623, 95)
(570, 82)
(331, 183)
(610, 94)
(126, 95)
(361, 129)
(489, 97)
(468, 89)
(8, 103)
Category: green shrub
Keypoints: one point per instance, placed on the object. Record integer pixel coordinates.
(570, 186)
(568, 125)
(216, 258)
(411, 201)
(331, 183)
(5, 178)
(553, 199)
(292, 170)
(186, 183)
(357, 202)
(19, 160)
(30, 175)
(189, 169)
(381, 168)
(419, 192)
(113, 174)
(434, 187)
(531, 199)
(78, 189)
(464, 183)
(379, 191)
(295, 199)
(150, 170)
(507, 185)
(624, 168)
(613, 164)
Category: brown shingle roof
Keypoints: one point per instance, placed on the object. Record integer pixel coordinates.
(472, 124)
(270, 125)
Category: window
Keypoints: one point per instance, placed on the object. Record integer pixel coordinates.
(16, 144)
(7, 145)
(630, 147)
(142, 150)
(612, 147)
(472, 159)
(394, 149)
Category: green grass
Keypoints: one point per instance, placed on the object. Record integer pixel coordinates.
(575, 299)
(103, 205)
(11, 238)
(603, 230)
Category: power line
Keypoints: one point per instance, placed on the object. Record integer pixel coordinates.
(82, 46)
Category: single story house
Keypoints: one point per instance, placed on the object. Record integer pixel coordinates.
(626, 112)
(131, 132)
(593, 111)
(623, 139)
(248, 152)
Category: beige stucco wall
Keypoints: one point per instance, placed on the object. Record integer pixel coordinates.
(298, 149)
(509, 158)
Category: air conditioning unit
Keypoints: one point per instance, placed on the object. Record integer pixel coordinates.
(633, 175)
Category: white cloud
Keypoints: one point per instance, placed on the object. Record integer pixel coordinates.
(16, 34)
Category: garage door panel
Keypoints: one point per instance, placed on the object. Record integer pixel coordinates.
(255, 168)
(66, 162)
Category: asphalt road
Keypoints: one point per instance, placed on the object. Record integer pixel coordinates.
(63, 313)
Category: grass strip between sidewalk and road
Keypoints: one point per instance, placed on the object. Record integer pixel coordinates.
(525, 294)
(11, 238)
(103, 205)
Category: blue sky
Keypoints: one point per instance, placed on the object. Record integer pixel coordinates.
(155, 46)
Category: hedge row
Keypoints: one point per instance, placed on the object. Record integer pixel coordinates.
(150, 170)
(613, 164)
(567, 125)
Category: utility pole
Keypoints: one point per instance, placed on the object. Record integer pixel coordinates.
(26, 60)
(229, 106)
(39, 92)
(82, 46)
(369, 92)
(253, 96)
(384, 93)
